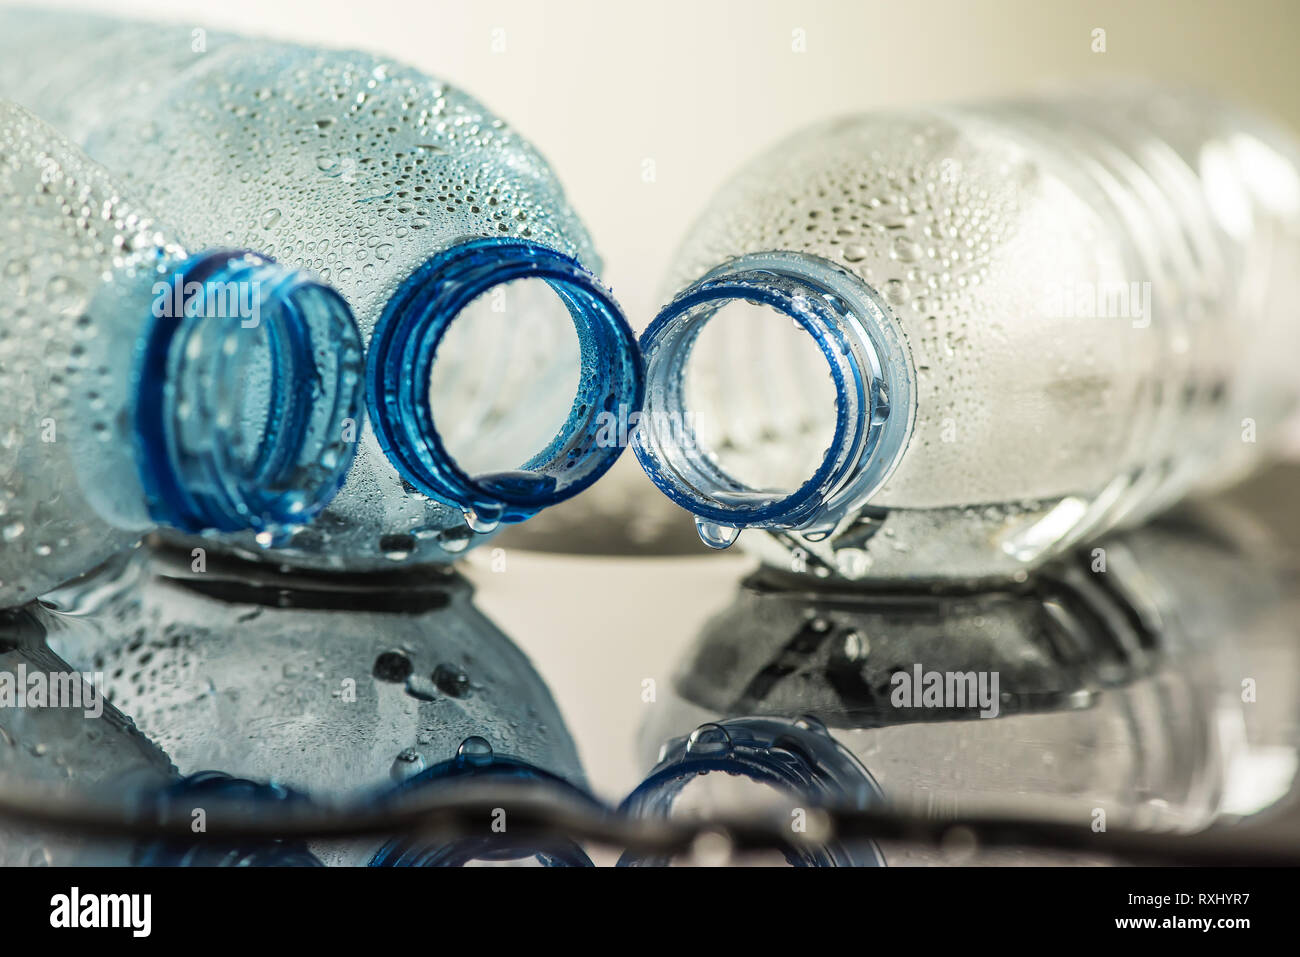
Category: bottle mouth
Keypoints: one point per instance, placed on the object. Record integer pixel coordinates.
(476, 762)
(869, 368)
(400, 362)
(248, 402)
(798, 757)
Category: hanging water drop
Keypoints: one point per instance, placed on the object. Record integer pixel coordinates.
(714, 535)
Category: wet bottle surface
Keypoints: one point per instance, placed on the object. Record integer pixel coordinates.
(1015, 326)
(149, 386)
(422, 207)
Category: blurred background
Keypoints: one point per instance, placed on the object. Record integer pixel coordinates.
(644, 110)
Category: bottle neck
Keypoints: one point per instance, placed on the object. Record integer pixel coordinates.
(247, 394)
(477, 765)
(399, 367)
(796, 757)
(869, 366)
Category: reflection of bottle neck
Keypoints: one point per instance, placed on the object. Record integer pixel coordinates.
(869, 366)
(197, 792)
(246, 392)
(400, 366)
(476, 763)
(798, 758)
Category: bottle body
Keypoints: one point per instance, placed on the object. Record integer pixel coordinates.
(381, 179)
(123, 362)
(1093, 295)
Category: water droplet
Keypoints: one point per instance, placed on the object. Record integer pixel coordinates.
(896, 291)
(454, 540)
(475, 750)
(270, 218)
(714, 535)
(810, 722)
(398, 547)
(708, 739)
(451, 681)
(905, 249)
(392, 666)
(482, 520)
(406, 765)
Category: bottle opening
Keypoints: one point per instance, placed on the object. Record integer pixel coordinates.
(476, 763)
(505, 376)
(782, 767)
(775, 480)
(414, 334)
(760, 397)
(248, 395)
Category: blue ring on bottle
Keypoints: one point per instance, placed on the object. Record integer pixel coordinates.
(798, 757)
(870, 369)
(176, 852)
(403, 349)
(216, 494)
(558, 851)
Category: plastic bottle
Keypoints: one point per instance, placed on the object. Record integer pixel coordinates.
(336, 685)
(64, 742)
(1040, 319)
(1145, 683)
(144, 385)
(421, 206)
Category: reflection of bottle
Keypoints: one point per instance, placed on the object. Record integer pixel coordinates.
(64, 741)
(335, 685)
(420, 206)
(71, 744)
(1041, 320)
(475, 762)
(146, 386)
(801, 766)
(190, 793)
(1148, 683)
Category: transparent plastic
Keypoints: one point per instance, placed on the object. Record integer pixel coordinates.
(1146, 683)
(144, 386)
(339, 686)
(1042, 320)
(404, 193)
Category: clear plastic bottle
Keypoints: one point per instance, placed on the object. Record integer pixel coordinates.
(144, 385)
(476, 764)
(82, 750)
(1151, 679)
(1041, 320)
(421, 207)
(86, 752)
(337, 685)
